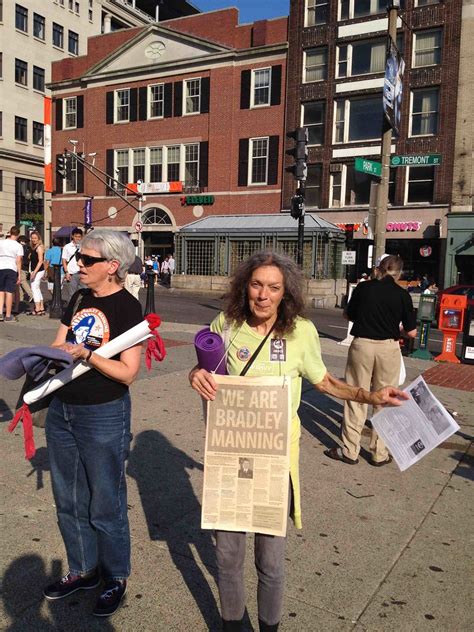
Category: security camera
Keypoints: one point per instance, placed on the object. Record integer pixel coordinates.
(73, 142)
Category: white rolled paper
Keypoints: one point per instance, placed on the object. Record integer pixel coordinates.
(128, 339)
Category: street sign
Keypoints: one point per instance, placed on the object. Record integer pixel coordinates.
(417, 160)
(368, 166)
(138, 226)
(348, 258)
(26, 222)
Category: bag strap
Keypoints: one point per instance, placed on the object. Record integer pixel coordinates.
(254, 356)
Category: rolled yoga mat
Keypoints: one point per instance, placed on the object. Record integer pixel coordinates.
(210, 351)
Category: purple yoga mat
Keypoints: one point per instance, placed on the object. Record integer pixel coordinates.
(210, 351)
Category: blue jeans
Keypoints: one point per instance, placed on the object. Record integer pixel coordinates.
(88, 447)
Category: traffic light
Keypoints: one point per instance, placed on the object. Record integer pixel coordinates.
(297, 206)
(300, 153)
(350, 235)
(61, 166)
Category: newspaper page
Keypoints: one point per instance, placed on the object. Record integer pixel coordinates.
(247, 455)
(416, 427)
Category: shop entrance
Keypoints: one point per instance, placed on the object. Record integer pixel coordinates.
(157, 235)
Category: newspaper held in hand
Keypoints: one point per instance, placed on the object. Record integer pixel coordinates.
(247, 455)
(416, 427)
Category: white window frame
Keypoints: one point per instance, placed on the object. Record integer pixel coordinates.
(305, 64)
(185, 96)
(425, 4)
(351, 16)
(117, 105)
(252, 88)
(134, 153)
(343, 187)
(308, 125)
(410, 122)
(314, 5)
(150, 100)
(72, 170)
(164, 160)
(350, 57)
(69, 101)
(347, 114)
(407, 182)
(251, 158)
(415, 40)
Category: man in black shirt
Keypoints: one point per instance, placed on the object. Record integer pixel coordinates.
(376, 308)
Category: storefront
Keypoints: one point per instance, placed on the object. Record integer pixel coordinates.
(418, 235)
(460, 249)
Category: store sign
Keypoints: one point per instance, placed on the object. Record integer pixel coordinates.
(193, 200)
(345, 225)
(402, 226)
(156, 187)
(417, 160)
(348, 258)
(425, 251)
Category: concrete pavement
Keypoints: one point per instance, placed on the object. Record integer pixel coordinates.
(380, 550)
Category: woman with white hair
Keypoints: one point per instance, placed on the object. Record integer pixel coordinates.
(88, 425)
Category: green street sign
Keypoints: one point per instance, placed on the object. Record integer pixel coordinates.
(417, 160)
(368, 166)
(26, 222)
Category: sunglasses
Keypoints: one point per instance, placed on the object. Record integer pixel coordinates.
(87, 260)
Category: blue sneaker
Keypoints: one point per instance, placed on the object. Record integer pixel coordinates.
(109, 600)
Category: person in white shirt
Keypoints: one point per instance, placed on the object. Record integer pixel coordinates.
(172, 264)
(11, 253)
(71, 281)
(165, 272)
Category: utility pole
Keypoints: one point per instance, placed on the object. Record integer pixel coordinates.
(300, 171)
(382, 190)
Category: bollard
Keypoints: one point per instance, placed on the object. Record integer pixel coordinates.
(56, 305)
(150, 293)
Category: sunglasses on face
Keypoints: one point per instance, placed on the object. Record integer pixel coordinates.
(87, 260)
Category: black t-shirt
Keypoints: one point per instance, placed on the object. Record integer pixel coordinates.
(95, 322)
(378, 307)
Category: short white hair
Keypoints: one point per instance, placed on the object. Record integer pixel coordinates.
(114, 246)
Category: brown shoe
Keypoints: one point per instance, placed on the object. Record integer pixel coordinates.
(337, 455)
(388, 460)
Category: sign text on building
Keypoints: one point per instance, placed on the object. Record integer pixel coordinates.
(417, 160)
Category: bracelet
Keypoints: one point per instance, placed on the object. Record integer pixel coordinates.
(89, 356)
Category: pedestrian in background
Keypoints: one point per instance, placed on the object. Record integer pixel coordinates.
(376, 308)
(26, 295)
(53, 257)
(11, 253)
(132, 280)
(37, 272)
(72, 281)
(165, 272)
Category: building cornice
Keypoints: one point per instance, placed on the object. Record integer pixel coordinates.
(18, 156)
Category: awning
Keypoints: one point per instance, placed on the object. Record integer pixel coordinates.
(64, 231)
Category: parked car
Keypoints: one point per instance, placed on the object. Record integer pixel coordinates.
(466, 290)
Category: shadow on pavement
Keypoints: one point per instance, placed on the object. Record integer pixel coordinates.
(6, 413)
(168, 500)
(39, 464)
(22, 595)
(465, 467)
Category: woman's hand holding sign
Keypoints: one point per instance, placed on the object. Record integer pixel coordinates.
(203, 382)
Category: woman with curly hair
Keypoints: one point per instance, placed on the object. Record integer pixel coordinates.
(266, 299)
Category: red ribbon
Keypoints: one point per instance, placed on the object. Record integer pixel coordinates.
(155, 348)
(23, 414)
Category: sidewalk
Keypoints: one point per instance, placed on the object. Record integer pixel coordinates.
(380, 550)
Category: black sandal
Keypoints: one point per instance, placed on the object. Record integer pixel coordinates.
(336, 454)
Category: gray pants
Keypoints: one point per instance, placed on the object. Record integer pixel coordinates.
(70, 287)
(270, 565)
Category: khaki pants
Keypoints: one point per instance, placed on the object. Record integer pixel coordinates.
(371, 364)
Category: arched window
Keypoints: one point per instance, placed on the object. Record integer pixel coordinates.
(156, 216)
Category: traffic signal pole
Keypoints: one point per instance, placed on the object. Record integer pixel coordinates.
(300, 171)
(300, 246)
(382, 189)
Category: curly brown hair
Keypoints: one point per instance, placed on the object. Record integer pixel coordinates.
(237, 307)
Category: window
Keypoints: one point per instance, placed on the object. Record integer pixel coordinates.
(313, 185)
(349, 9)
(260, 90)
(360, 58)
(174, 156)
(138, 165)
(73, 43)
(357, 187)
(38, 79)
(424, 3)
(91, 15)
(122, 105)
(71, 4)
(21, 129)
(427, 48)
(76, 8)
(156, 100)
(21, 72)
(313, 119)
(335, 192)
(315, 64)
(1, 65)
(38, 133)
(258, 163)
(21, 18)
(156, 164)
(39, 26)
(420, 184)
(58, 35)
(192, 96)
(424, 117)
(121, 165)
(316, 12)
(358, 119)
(191, 165)
(70, 183)
(70, 113)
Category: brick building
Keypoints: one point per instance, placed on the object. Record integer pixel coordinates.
(337, 60)
(192, 107)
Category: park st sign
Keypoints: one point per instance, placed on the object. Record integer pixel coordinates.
(416, 160)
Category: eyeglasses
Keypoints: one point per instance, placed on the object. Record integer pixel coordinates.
(87, 260)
